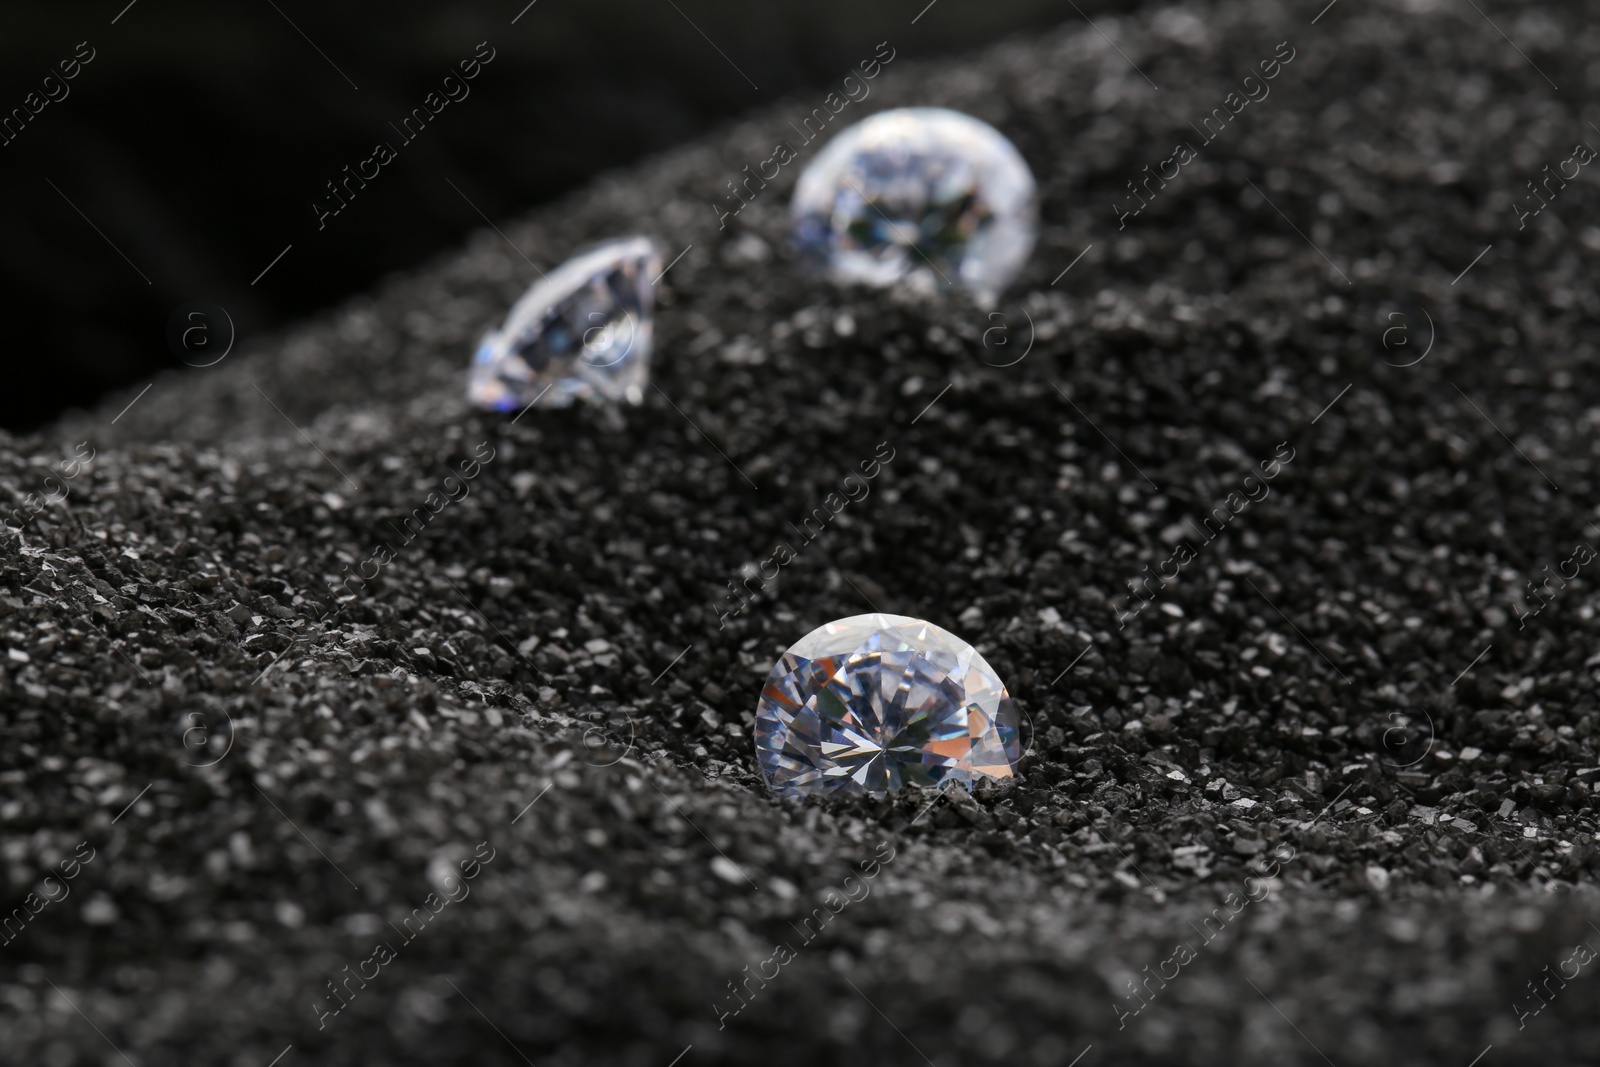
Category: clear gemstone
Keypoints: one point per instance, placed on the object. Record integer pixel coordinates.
(875, 703)
(925, 195)
(582, 332)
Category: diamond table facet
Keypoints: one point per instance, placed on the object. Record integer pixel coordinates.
(923, 196)
(583, 332)
(875, 703)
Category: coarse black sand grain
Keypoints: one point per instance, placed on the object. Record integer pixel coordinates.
(1338, 686)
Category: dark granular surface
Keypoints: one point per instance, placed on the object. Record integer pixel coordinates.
(1327, 775)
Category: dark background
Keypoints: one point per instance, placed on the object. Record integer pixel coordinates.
(200, 134)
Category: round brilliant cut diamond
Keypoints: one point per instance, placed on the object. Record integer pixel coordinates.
(875, 703)
(582, 332)
(923, 195)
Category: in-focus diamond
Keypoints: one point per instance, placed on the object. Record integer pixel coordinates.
(582, 332)
(925, 195)
(875, 703)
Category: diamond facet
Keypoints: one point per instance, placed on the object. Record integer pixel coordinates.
(875, 703)
(582, 332)
(925, 195)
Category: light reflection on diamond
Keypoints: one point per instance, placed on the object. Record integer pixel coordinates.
(583, 332)
(876, 703)
(924, 196)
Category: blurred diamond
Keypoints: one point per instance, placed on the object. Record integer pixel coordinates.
(582, 332)
(875, 703)
(922, 195)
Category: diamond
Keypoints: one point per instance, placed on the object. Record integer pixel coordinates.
(875, 703)
(582, 332)
(923, 195)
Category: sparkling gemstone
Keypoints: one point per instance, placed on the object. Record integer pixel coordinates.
(921, 195)
(582, 332)
(875, 703)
